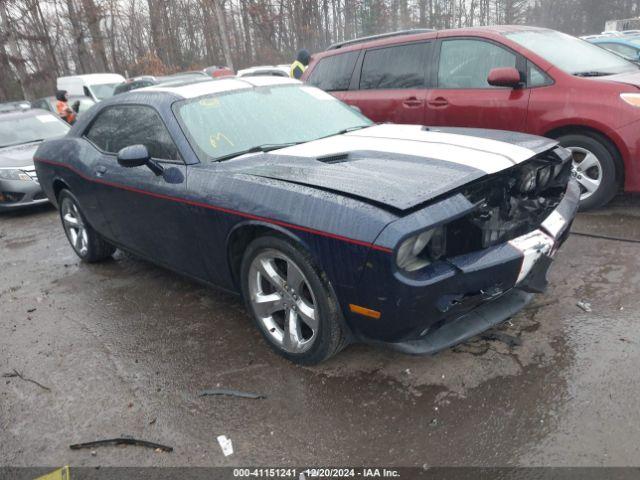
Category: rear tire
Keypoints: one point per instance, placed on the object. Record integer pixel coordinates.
(85, 241)
(291, 301)
(600, 180)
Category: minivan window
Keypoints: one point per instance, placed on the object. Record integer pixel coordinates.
(121, 126)
(467, 63)
(571, 54)
(334, 73)
(535, 76)
(401, 66)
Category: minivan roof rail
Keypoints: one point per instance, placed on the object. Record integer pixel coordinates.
(412, 31)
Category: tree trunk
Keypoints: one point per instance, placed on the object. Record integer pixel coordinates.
(222, 28)
(92, 16)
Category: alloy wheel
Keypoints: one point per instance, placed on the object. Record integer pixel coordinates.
(283, 302)
(74, 227)
(587, 170)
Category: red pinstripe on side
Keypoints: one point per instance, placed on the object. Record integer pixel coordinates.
(219, 209)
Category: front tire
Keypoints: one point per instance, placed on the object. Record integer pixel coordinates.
(595, 168)
(85, 241)
(291, 301)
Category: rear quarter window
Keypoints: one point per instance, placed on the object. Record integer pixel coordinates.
(334, 73)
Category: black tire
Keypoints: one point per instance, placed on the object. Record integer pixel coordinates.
(612, 169)
(96, 248)
(331, 335)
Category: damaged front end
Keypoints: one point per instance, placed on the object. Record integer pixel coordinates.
(477, 258)
(511, 203)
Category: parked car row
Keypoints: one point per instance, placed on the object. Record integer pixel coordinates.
(514, 78)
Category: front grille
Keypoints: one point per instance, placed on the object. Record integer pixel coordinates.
(11, 197)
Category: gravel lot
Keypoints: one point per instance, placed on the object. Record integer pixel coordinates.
(124, 348)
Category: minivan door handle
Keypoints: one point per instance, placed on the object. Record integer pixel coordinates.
(412, 102)
(101, 170)
(439, 102)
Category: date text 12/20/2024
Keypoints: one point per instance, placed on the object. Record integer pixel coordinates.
(305, 473)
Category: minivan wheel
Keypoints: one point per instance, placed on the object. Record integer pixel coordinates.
(594, 168)
(291, 301)
(84, 240)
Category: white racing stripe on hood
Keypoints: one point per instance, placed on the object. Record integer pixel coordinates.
(461, 155)
(416, 133)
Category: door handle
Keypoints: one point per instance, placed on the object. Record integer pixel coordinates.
(412, 102)
(439, 102)
(101, 170)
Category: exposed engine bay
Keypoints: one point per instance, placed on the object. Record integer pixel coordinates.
(511, 203)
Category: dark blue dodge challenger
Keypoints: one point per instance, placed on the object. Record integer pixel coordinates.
(333, 229)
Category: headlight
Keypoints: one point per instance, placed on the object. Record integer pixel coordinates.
(420, 250)
(13, 174)
(527, 181)
(632, 99)
(543, 177)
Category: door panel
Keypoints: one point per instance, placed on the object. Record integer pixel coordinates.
(464, 98)
(142, 209)
(392, 83)
(396, 106)
(504, 109)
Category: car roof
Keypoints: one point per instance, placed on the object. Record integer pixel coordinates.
(221, 85)
(99, 77)
(27, 112)
(406, 37)
(76, 97)
(620, 40)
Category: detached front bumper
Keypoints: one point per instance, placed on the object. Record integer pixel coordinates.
(15, 194)
(449, 304)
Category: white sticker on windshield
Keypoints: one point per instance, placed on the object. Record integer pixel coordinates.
(46, 118)
(317, 93)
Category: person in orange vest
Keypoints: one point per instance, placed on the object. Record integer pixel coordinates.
(62, 107)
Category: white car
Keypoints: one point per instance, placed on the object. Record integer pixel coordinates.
(268, 70)
(98, 86)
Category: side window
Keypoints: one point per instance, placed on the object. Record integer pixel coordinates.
(334, 73)
(536, 77)
(122, 126)
(394, 67)
(467, 63)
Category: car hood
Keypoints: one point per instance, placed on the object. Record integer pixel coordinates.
(18, 156)
(398, 166)
(632, 78)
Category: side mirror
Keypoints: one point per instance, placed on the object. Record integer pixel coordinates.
(504, 77)
(133, 156)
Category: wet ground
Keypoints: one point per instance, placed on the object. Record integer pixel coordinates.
(124, 347)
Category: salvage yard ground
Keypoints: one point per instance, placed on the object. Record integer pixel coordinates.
(124, 348)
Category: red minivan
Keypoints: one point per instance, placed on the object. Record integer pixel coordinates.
(517, 78)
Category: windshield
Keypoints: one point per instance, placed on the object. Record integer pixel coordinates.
(571, 54)
(222, 125)
(15, 130)
(104, 90)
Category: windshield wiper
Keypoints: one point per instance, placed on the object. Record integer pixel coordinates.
(345, 130)
(267, 147)
(592, 74)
